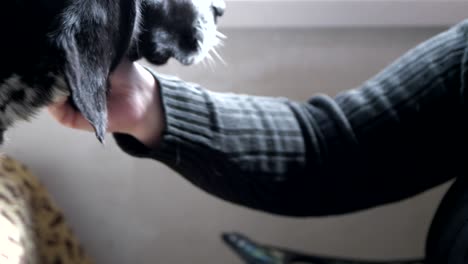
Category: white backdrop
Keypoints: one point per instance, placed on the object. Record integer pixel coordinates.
(343, 13)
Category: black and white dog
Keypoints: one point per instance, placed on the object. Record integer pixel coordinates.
(51, 48)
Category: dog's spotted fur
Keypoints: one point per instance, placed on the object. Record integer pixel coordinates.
(57, 47)
(18, 100)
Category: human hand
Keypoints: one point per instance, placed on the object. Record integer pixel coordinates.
(134, 105)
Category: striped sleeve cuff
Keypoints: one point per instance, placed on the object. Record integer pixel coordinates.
(253, 134)
(240, 148)
(187, 123)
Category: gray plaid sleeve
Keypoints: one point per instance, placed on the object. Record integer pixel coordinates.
(396, 135)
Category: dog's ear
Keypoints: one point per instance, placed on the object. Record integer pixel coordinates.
(86, 67)
(92, 38)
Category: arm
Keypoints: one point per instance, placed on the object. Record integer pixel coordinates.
(395, 136)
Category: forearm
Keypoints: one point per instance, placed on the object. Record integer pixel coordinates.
(233, 146)
(391, 138)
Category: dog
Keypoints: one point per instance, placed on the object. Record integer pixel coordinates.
(52, 48)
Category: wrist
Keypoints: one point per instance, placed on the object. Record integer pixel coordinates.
(149, 129)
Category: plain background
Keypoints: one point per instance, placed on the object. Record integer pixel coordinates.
(128, 210)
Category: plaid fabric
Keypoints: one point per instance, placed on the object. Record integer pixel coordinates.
(398, 134)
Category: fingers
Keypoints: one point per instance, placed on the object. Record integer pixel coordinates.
(66, 115)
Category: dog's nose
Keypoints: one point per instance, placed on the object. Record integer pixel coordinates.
(218, 7)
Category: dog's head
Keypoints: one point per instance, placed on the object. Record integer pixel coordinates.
(56, 47)
(181, 29)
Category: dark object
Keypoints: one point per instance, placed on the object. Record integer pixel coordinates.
(447, 241)
(254, 253)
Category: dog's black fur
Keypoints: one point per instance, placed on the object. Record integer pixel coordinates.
(58, 47)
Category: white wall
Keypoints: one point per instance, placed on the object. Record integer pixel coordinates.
(343, 13)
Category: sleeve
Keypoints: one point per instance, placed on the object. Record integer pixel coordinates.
(398, 134)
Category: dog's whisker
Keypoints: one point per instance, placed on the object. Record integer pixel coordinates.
(210, 61)
(203, 62)
(215, 52)
(208, 55)
(211, 67)
(219, 42)
(220, 35)
(200, 44)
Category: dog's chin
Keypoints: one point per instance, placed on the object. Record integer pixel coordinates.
(188, 60)
(195, 56)
(163, 59)
(159, 59)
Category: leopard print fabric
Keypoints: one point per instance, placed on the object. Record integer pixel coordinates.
(32, 228)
